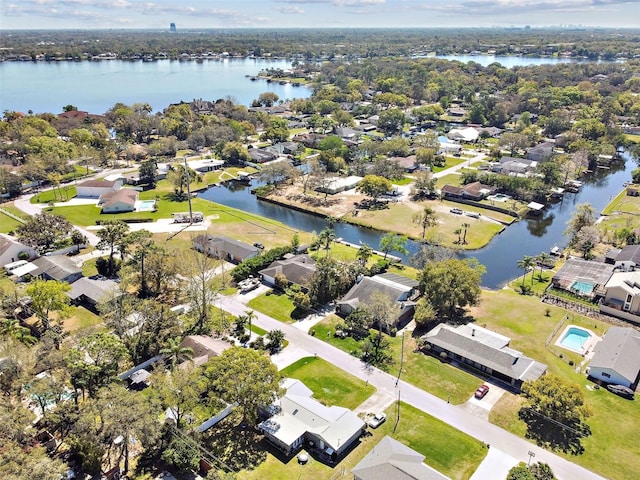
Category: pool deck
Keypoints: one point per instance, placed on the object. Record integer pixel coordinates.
(587, 347)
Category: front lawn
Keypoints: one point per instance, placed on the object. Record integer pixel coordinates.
(8, 224)
(330, 385)
(62, 194)
(424, 371)
(276, 305)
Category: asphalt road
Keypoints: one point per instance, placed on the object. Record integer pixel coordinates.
(451, 414)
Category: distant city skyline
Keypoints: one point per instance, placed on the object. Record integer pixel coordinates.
(194, 14)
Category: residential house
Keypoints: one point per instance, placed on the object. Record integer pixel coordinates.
(542, 152)
(56, 267)
(515, 166)
(225, 248)
(628, 258)
(401, 291)
(456, 111)
(493, 132)
(475, 191)
(89, 291)
(260, 155)
(297, 269)
(204, 347)
(309, 140)
(622, 298)
(338, 184)
(96, 188)
(205, 165)
(408, 164)
(468, 134)
(484, 351)
(11, 250)
(121, 201)
(616, 358)
(391, 460)
(297, 418)
(586, 278)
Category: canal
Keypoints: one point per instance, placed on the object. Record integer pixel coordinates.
(530, 236)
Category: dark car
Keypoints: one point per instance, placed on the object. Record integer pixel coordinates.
(621, 390)
(481, 392)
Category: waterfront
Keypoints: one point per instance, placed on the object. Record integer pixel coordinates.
(96, 86)
(530, 236)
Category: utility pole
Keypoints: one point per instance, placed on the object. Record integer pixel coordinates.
(186, 171)
(401, 358)
(398, 414)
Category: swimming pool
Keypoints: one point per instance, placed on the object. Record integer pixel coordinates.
(147, 206)
(575, 339)
(582, 287)
(499, 197)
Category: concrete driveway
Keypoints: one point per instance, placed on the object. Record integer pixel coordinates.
(482, 407)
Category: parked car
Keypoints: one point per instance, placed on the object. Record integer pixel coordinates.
(457, 211)
(377, 420)
(473, 214)
(481, 391)
(621, 390)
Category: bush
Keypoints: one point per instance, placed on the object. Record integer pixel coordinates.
(104, 269)
(253, 265)
(23, 256)
(380, 266)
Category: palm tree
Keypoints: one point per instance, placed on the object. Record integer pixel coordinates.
(12, 328)
(464, 237)
(250, 315)
(325, 237)
(175, 352)
(426, 218)
(543, 259)
(276, 339)
(458, 231)
(525, 263)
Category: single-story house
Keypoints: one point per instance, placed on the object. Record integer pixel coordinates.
(492, 131)
(485, 351)
(260, 155)
(515, 166)
(205, 165)
(475, 191)
(449, 148)
(297, 417)
(204, 347)
(468, 134)
(401, 291)
(391, 460)
(56, 267)
(297, 269)
(616, 358)
(408, 164)
(89, 291)
(11, 250)
(339, 184)
(542, 152)
(121, 201)
(583, 277)
(95, 188)
(628, 258)
(224, 248)
(622, 297)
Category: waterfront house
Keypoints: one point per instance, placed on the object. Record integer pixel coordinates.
(484, 351)
(475, 191)
(391, 460)
(622, 298)
(616, 358)
(56, 267)
(516, 166)
(628, 258)
(585, 278)
(335, 185)
(224, 248)
(205, 165)
(401, 291)
(297, 418)
(297, 269)
(11, 250)
(468, 134)
(542, 152)
(96, 188)
(120, 201)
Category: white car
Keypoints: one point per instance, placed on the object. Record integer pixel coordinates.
(377, 420)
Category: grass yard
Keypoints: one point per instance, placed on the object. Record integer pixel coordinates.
(622, 203)
(276, 305)
(81, 319)
(614, 420)
(8, 224)
(62, 194)
(450, 179)
(423, 371)
(402, 181)
(330, 385)
(450, 162)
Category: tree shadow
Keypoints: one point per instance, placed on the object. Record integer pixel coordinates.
(553, 435)
(239, 446)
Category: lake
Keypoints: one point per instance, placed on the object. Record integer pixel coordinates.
(96, 86)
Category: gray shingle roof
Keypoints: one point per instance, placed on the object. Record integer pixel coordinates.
(501, 359)
(619, 350)
(388, 284)
(94, 289)
(235, 248)
(391, 460)
(57, 267)
(298, 269)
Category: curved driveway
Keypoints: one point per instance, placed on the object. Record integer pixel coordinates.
(453, 415)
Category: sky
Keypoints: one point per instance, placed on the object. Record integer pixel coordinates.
(194, 14)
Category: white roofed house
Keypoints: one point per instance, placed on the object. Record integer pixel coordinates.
(622, 298)
(95, 188)
(11, 250)
(616, 358)
(123, 200)
(468, 134)
(297, 419)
